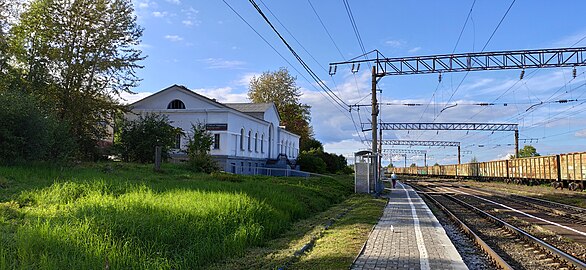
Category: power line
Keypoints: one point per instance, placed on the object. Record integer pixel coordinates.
(314, 76)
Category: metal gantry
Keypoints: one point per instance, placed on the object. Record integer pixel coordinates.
(443, 63)
(443, 126)
(424, 143)
(498, 60)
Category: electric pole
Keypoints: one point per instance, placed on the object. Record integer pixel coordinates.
(374, 115)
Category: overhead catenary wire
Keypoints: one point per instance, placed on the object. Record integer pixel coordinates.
(312, 74)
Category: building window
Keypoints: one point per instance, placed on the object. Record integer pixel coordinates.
(176, 104)
(216, 141)
(249, 138)
(178, 141)
(242, 139)
(256, 142)
(262, 143)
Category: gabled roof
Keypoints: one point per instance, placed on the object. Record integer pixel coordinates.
(185, 90)
(201, 97)
(250, 107)
(254, 109)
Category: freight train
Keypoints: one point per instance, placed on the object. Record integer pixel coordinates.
(561, 171)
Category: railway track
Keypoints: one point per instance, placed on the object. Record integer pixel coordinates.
(509, 246)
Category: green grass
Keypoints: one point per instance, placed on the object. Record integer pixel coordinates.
(335, 248)
(125, 216)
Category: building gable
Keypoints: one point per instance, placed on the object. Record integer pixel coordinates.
(176, 97)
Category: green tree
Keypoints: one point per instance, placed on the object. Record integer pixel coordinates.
(527, 151)
(310, 144)
(310, 162)
(79, 56)
(136, 140)
(413, 165)
(198, 148)
(29, 134)
(474, 160)
(280, 88)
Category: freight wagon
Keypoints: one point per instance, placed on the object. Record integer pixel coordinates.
(561, 171)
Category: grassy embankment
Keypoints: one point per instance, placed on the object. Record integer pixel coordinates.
(125, 216)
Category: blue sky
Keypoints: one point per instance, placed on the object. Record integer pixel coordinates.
(206, 47)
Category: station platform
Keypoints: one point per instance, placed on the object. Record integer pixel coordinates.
(408, 236)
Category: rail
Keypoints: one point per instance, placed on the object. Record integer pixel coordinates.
(497, 259)
(553, 250)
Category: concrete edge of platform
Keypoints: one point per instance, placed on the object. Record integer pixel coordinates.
(365, 242)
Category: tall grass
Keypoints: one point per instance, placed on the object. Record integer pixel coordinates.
(127, 217)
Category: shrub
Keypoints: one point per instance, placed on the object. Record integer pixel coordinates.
(136, 140)
(198, 148)
(311, 163)
(29, 134)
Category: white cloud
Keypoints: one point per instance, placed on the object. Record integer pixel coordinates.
(143, 5)
(581, 133)
(223, 94)
(575, 40)
(129, 98)
(246, 78)
(414, 50)
(220, 63)
(395, 43)
(160, 14)
(187, 22)
(176, 2)
(173, 38)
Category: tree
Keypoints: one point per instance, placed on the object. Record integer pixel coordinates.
(198, 148)
(136, 140)
(413, 165)
(79, 56)
(474, 160)
(311, 144)
(29, 134)
(527, 151)
(280, 88)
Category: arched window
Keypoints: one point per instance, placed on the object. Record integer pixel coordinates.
(176, 104)
(242, 139)
(256, 142)
(262, 143)
(249, 138)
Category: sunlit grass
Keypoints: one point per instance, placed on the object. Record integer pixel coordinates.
(125, 216)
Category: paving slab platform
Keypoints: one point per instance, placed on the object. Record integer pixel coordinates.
(408, 236)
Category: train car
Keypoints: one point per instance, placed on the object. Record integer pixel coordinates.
(561, 171)
(573, 170)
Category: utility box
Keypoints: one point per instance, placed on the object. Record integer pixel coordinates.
(364, 180)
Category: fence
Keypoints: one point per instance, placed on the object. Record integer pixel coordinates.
(271, 171)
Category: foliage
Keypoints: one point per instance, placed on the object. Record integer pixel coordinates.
(528, 151)
(135, 140)
(474, 160)
(310, 162)
(280, 88)
(310, 144)
(129, 218)
(198, 149)
(436, 164)
(29, 134)
(413, 165)
(78, 56)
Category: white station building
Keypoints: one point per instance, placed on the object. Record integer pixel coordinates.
(247, 136)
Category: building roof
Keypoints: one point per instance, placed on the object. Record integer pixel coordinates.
(250, 107)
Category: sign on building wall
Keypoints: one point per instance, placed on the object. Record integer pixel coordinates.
(216, 127)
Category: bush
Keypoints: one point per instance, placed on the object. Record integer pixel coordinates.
(29, 134)
(136, 140)
(310, 162)
(198, 149)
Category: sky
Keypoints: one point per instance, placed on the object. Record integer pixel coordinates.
(215, 47)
